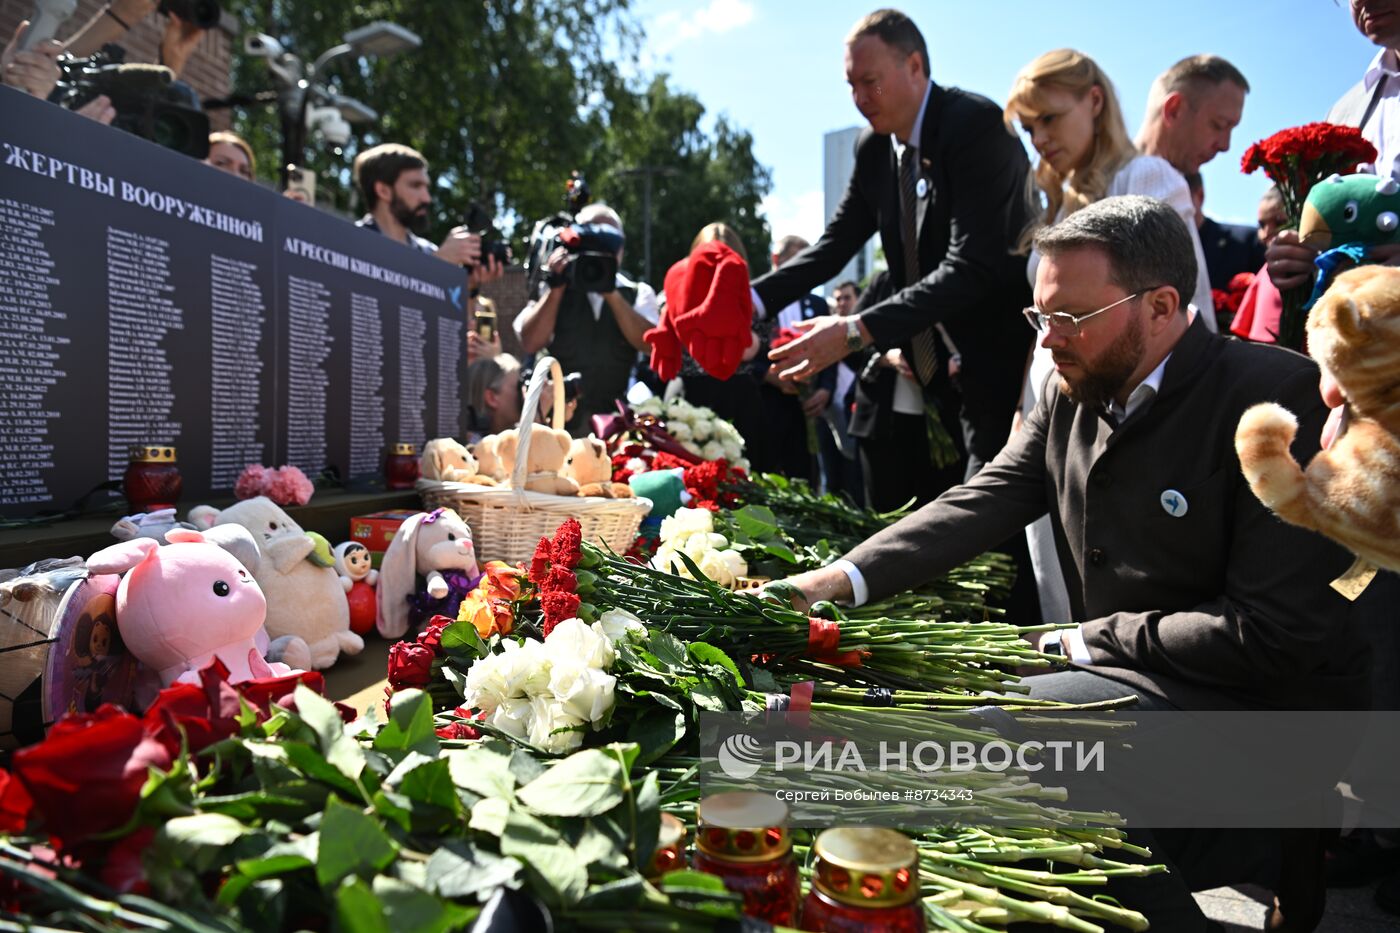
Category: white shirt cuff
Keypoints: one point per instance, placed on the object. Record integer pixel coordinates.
(1078, 650)
(860, 593)
(758, 306)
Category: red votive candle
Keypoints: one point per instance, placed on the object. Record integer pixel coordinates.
(743, 839)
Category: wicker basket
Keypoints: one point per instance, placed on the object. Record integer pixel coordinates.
(507, 522)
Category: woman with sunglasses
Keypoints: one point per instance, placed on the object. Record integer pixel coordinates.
(1067, 107)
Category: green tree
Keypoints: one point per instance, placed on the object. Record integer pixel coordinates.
(505, 98)
(700, 177)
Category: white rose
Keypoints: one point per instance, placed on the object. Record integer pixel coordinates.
(683, 522)
(665, 559)
(707, 413)
(735, 562)
(526, 668)
(573, 640)
(732, 451)
(619, 624)
(547, 716)
(704, 429)
(680, 431)
(714, 566)
(651, 406)
(714, 450)
(512, 717)
(692, 447)
(486, 687)
(583, 691)
(727, 433)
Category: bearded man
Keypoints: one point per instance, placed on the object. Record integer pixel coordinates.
(1187, 592)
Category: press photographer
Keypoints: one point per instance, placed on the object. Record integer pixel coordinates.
(576, 282)
(393, 179)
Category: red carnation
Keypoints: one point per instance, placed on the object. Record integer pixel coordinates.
(568, 541)
(86, 776)
(410, 665)
(561, 581)
(557, 607)
(539, 563)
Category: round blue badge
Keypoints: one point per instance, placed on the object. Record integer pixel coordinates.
(1173, 503)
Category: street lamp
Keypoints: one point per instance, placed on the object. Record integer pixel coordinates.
(376, 40)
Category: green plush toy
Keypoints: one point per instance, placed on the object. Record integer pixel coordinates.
(664, 488)
(1344, 217)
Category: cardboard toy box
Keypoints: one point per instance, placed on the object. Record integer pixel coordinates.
(377, 529)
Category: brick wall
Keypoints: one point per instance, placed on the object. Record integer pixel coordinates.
(509, 294)
(207, 70)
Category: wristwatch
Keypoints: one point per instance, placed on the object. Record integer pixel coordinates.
(854, 341)
(1054, 645)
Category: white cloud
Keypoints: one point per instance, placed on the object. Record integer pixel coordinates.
(672, 29)
(803, 214)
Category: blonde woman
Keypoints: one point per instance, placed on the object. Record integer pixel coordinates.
(1067, 106)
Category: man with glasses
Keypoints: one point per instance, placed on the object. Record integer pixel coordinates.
(1188, 592)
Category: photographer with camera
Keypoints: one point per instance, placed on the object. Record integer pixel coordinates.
(393, 179)
(567, 315)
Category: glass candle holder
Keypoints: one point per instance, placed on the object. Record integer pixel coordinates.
(743, 839)
(401, 466)
(864, 879)
(670, 848)
(152, 480)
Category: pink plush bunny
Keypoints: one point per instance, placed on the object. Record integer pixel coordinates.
(182, 605)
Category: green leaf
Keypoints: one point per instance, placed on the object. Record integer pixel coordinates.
(410, 725)
(599, 842)
(656, 732)
(458, 869)
(358, 910)
(258, 805)
(711, 656)
(584, 784)
(462, 638)
(525, 766)
(482, 770)
(431, 783)
(342, 751)
(563, 878)
(781, 551)
(490, 816)
(203, 830)
(351, 842)
(669, 650)
(687, 880)
(646, 820)
(706, 695)
(310, 762)
(621, 894)
(258, 868)
(410, 909)
(757, 521)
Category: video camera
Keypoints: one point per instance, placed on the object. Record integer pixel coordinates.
(593, 248)
(149, 101)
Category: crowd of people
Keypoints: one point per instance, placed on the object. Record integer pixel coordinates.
(1096, 444)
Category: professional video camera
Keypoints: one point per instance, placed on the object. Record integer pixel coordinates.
(593, 248)
(149, 101)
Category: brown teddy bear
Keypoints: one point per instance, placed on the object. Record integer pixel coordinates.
(445, 459)
(590, 466)
(488, 456)
(549, 449)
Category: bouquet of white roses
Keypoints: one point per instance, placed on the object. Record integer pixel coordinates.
(692, 532)
(549, 692)
(697, 429)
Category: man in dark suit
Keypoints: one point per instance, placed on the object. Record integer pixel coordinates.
(942, 181)
(1188, 592)
(1229, 248)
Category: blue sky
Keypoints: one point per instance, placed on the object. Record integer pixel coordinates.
(775, 68)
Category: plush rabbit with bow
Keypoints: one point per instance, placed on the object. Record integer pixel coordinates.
(182, 605)
(437, 546)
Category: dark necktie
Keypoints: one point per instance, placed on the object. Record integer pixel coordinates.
(923, 359)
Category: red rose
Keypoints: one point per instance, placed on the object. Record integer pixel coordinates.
(431, 637)
(86, 776)
(458, 730)
(187, 709)
(567, 544)
(557, 607)
(122, 870)
(15, 803)
(410, 665)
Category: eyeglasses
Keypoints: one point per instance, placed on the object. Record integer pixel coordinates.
(1066, 324)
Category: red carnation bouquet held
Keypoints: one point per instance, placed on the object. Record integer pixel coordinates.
(1295, 159)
